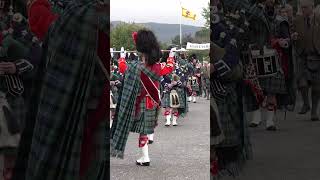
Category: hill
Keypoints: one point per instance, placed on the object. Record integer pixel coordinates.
(166, 32)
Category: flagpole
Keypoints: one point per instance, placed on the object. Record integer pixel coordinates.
(180, 24)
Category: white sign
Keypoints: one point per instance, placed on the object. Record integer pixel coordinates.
(195, 46)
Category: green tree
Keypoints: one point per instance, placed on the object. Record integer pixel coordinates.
(185, 38)
(121, 35)
(206, 14)
(202, 36)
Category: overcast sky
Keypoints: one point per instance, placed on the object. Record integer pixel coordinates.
(161, 11)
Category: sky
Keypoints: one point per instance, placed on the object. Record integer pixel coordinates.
(160, 11)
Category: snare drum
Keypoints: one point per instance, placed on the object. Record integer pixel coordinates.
(267, 64)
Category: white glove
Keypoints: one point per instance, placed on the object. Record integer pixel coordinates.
(35, 39)
(24, 32)
(172, 52)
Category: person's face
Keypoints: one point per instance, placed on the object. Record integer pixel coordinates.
(283, 13)
(306, 10)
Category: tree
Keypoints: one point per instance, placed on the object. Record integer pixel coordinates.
(185, 38)
(206, 14)
(121, 35)
(202, 36)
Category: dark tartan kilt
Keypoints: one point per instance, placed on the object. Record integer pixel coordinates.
(195, 88)
(165, 102)
(98, 164)
(250, 102)
(146, 122)
(274, 84)
(18, 107)
(229, 115)
(207, 83)
(313, 77)
(182, 98)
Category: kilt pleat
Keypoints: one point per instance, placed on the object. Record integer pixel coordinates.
(146, 122)
(274, 84)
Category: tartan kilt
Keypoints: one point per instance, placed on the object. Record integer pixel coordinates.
(195, 88)
(229, 115)
(207, 83)
(182, 98)
(9, 143)
(98, 164)
(165, 102)
(18, 107)
(313, 77)
(146, 121)
(274, 84)
(250, 102)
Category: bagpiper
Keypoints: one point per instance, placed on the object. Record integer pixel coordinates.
(174, 97)
(194, 79)
(139, 102)
(231, 143)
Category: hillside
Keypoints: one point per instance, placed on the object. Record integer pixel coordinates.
(166, 32)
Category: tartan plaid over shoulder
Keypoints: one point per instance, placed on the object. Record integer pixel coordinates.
(66, 86)
(126, 107)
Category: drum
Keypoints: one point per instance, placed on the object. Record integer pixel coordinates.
(174, 99)
(112, 104)
(266, 65)
(193, 80)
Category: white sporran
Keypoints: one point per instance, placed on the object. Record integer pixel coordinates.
(174, 99)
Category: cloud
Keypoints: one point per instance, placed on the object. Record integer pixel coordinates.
(161, 11)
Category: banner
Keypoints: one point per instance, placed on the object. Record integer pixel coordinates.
(188, 14)
(195, 46)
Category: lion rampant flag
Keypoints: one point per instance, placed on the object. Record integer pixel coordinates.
(188, 14)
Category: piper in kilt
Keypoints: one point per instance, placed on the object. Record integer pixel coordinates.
(205, 74)
(174, 97)
(139, 102)
(232, 151)
(14, 71)
(70, 98)
(115, 83)
(231, 145)
(269, 44)
(194, 79)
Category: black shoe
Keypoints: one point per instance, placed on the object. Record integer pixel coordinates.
(253, 125)
(314, 119)
(271, 128)
(142, 163)
(150, 142)
(167, 125)
(304, 109)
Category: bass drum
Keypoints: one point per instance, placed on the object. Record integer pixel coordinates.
(266, 65)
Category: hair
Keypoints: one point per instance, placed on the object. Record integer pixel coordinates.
(165, 54)
(132, 57)
(147, 43)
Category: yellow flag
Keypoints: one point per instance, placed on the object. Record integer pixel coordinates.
(188, 14)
